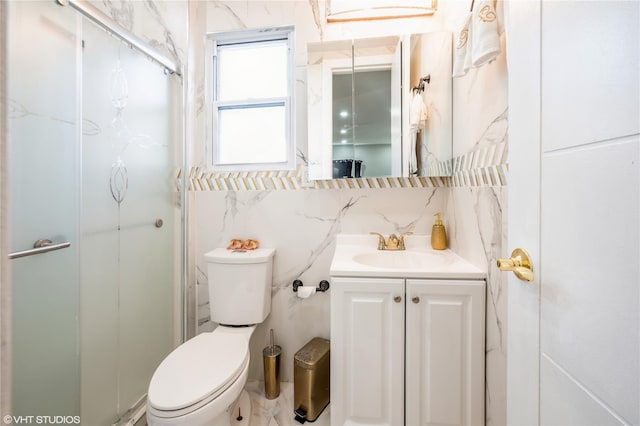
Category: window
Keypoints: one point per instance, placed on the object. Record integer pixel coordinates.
(252, 99)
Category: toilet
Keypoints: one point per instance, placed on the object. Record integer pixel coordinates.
(202, 380)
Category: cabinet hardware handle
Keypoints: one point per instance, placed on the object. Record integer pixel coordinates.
(397, 299)
(415, 299)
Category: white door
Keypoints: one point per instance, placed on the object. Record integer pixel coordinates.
(445, 352)
(574, 154)
(367, 351)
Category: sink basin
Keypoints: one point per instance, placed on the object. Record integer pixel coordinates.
(397, 259)
(357, 255)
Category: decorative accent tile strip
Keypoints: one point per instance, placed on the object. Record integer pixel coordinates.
(481, 176)
(202, 179)
(483, 167)
(441, 168)
(488, 156)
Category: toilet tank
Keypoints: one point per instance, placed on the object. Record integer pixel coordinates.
(239, 285)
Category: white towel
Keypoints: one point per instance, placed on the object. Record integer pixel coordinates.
(462, 52)
(485, 43)
(500, 12)
(413, 153)
(417, 112)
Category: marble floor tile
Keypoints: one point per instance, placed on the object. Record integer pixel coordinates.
(279, 411)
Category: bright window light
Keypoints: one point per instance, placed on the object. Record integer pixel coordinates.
(251, 99)
(253, 71)
(257, 133)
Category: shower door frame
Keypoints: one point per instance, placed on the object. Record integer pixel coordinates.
(5, 283)
(112, 27)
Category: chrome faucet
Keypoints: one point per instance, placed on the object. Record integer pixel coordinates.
(392, 243)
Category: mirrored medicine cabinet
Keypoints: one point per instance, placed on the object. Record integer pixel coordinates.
(380, 106)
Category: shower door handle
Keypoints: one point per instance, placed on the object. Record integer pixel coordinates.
(40, 246)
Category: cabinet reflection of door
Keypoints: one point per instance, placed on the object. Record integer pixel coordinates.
(444, 338)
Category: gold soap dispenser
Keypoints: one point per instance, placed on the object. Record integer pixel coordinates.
(438, 234)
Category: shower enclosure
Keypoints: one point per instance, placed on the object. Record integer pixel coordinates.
(95, 141)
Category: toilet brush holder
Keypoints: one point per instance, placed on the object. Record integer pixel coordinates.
(271, 364)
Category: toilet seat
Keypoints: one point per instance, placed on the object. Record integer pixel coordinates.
(198, 371)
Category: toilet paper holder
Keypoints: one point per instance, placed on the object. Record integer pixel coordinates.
(322, 287)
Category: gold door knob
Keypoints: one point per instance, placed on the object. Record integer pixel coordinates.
(519, 263)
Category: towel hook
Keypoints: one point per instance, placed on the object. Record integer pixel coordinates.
(420, 87)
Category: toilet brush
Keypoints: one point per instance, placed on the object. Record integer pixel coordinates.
(271, 364)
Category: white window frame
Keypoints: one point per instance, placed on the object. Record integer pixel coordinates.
(281, 33)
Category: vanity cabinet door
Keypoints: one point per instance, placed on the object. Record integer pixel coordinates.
(445, 352)
(367, 351)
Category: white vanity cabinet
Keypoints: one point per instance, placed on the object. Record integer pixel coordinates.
(407, 351)
(367, 351)
(445, 326)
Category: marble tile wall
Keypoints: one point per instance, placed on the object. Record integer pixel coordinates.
(161, 23)
(301, 223)
(301, 226)
(475, 211)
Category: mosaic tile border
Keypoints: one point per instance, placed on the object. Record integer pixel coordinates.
(441, 168)
(482, 176)
(203, 179)
(483, 167)
(491, 155)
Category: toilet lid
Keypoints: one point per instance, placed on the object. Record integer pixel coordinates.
(221, 255)
(197, 369)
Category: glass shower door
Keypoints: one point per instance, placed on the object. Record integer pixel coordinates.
(94, 141)
(127, 223)
(43, 204)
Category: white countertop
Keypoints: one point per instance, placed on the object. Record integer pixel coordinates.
(357, 255)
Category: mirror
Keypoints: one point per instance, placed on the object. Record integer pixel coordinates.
(362, 123)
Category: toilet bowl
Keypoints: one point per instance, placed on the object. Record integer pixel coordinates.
(199, 382)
